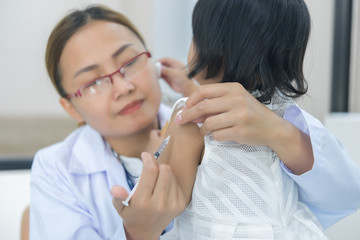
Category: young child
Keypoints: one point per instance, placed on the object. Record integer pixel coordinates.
(240, 191)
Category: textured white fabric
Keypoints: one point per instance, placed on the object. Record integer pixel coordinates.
(241, 192)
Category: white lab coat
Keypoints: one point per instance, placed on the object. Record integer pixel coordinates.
(71, 182)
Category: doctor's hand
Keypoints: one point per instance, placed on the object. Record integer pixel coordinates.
(157, 200)
(175, 73)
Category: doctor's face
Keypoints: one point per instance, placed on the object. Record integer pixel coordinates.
(112, 83)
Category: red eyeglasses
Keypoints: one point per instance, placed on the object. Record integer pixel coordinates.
(128, 71)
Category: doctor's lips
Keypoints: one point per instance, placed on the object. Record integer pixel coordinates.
(131, 107)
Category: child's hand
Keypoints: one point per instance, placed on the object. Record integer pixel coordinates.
(175, 74)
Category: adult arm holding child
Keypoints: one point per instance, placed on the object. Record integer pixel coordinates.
(311, 155)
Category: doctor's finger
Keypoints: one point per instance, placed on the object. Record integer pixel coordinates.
(216, 90)
(207, 92)
(119, 194)
(117, 203)
(217, 122)
(170, 62)
(199, 112)
(148, 176)
(163, 185)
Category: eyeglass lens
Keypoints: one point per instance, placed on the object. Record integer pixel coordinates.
(129, 71)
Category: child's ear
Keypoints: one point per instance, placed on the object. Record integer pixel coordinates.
(69, 108)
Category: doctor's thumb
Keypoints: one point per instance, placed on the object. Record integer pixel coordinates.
(119, 194)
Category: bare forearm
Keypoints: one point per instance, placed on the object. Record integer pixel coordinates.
(183, 154)
(293, 147)
(138, 235)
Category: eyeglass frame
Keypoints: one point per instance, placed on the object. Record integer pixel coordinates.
(77, 93)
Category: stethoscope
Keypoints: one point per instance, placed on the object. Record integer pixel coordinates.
(127, 174)
(128, 177)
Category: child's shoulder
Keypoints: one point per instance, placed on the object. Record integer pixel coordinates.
(280, 102)
(184, 129)
(178, 105)
(185, 138)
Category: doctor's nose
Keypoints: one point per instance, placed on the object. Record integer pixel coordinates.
(121, 86)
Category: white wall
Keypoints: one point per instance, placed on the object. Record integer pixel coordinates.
(167, 29)
(346, 127)
(15, 197)
(24, 29)
(355, 60)
(25, 26)
(318, 58)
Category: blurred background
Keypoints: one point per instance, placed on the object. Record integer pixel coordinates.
(32, 118)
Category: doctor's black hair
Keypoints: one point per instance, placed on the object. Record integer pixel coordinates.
(258, 43)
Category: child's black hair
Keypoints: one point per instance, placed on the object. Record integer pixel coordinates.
(258, 43)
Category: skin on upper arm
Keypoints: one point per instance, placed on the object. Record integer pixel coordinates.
(183, 153)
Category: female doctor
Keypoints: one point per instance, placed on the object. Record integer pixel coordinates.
(100, 66)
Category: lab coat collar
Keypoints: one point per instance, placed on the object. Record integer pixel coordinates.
(89, 152)
(164, 114)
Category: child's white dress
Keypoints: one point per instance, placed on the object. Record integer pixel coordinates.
(241, 192)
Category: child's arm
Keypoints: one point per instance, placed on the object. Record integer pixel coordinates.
(183, 154)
